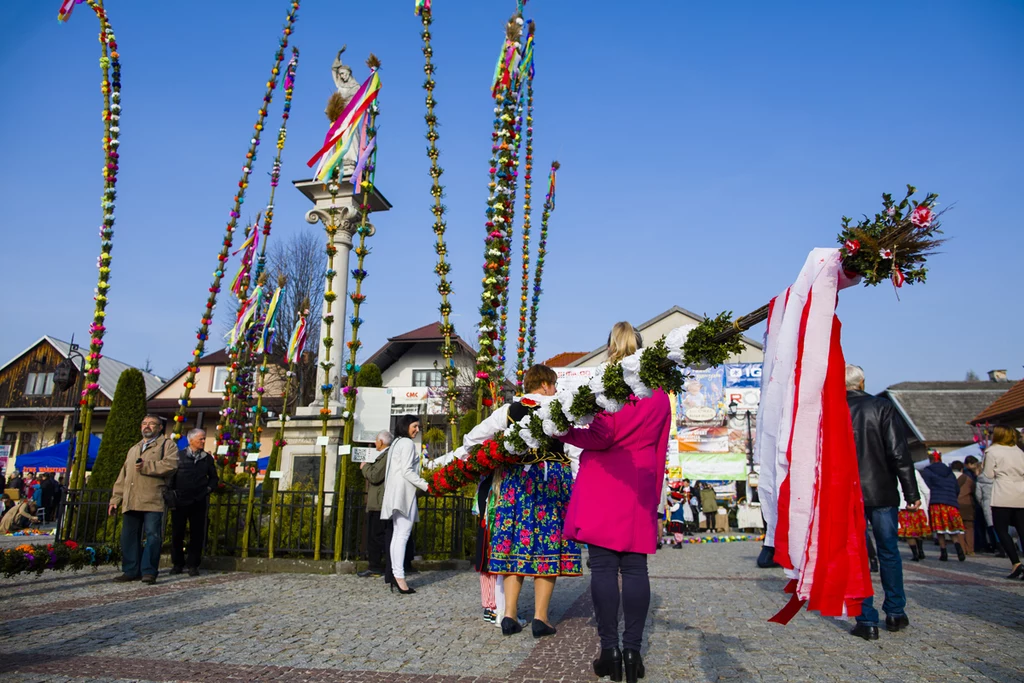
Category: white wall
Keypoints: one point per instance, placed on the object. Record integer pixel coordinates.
(419, 357)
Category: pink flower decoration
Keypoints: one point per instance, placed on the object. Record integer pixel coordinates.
(922, 216)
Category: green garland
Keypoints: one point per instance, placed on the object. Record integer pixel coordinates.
(496, 247)
(542, 250)
(701, 348)
(449, 372)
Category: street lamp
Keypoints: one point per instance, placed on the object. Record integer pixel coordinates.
(733, 413)
(66, 374)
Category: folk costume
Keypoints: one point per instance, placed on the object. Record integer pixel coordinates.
(527, 511)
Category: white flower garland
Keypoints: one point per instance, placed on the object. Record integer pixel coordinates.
(519, 434)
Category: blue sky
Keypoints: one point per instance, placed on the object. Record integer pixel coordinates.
(705, 149)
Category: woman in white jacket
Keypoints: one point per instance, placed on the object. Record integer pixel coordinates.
(400, 484)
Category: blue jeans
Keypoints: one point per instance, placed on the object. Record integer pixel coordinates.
(136, 526)
(884, 523)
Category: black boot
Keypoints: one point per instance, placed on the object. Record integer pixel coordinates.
(943, 556)
(920, 549)
(609, 664)
(913, 552)
(960, 552)
(766, 558)
(633, 665)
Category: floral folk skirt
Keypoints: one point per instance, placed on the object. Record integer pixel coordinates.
(914, 524)
(946, 519)
(529, 512)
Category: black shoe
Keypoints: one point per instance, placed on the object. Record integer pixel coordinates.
(943, 556)
(873, 565)
(1000, 555)
(368, 573)
(510, 626)
(177, 570)
(609, 664)
(866, 632)
(632, 665)
(896, 623)
(766, 559)
(124, 578)
(148, 579)
(193, 571)
(920, 552)
(408, 591)
(960, 552)
(677, 546)
(1017, 572)
(540, 629)
(913, 553)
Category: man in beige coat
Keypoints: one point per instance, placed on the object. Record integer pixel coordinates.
(139, 490)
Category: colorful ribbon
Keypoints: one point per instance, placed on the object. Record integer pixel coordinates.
(348, 122)
(297, 341)
(247, 315)
(66, 7)
(420, 6)
(268, 324)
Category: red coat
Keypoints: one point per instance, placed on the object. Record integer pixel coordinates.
(615, 497)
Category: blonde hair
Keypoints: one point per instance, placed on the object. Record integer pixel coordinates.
(623, 341)
(1004, 436)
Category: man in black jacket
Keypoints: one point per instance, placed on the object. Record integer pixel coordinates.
(883, 459)
(190, 489)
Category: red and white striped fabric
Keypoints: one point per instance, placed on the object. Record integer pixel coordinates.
(809, 483)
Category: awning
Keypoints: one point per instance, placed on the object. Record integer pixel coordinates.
(55, 458)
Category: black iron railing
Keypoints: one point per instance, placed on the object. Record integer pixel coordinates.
(286, 525)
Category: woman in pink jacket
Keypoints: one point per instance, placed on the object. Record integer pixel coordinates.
(614, 510)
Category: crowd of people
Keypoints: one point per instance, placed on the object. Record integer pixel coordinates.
(945, 501)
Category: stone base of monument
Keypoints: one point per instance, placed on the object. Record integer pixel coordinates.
(300, 459)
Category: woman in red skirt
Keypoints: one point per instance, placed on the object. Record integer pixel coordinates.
(914, 526)
(943, 509)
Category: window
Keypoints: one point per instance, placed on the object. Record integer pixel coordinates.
(220, 378)
(39, 384)
(426, 378)
(28, 442)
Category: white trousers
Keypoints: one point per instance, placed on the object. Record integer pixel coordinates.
(399, 539)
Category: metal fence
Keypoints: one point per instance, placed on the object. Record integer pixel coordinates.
(285, 525)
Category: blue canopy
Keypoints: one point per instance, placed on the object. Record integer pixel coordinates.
(56, 457)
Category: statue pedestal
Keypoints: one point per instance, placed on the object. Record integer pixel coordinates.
(300, 459)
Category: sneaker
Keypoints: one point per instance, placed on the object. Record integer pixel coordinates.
(489, 616)
(148, 580)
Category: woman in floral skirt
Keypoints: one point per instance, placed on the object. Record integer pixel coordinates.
(943, 507)
(526, 516)
(913, 524)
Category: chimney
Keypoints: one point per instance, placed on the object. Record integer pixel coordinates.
(997, 375)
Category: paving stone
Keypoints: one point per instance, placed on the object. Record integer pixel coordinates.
(707, 623)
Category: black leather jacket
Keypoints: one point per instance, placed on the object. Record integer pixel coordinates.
(882, 453)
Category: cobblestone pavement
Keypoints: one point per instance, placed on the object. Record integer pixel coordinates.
(707, 623)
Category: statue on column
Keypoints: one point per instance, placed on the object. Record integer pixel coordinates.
(347, 86)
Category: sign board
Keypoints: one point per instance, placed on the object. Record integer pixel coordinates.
(365, 454)
(743, 375)
(571, 378)
(703, 440)
(5, 455)
(701, 398)
(373, 413)
(716, 466)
